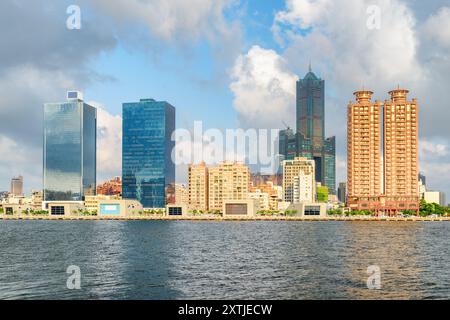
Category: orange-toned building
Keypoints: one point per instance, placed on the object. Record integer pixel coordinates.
(110, 188)
(401, 160)
(364, 152)
(383, 177)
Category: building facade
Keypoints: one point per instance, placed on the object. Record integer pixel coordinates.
(342, 192)
(181, 194)
(17, 186)
(110, 188)
(309, 139)
(299, 180)
(401, 159)
(198, 187)
(364, 170)
(70, 142)
(227, 181)
(382, 155)
(147, 166)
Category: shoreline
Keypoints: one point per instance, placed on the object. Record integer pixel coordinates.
(221, 219)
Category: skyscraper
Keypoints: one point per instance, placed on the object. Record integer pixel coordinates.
(364, 152)
(401, 160)
(309, 139)
(383, 176)
(70, 141)
(147, 166)
(17, 186)
(342, 192)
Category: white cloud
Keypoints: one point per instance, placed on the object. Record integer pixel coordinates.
(175, 20)
(264, 89)
(429, 149)
(437, 28)
(109, 144)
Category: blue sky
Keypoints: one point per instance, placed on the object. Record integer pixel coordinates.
(195, 83)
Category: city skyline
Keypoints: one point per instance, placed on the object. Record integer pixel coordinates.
(204, 80)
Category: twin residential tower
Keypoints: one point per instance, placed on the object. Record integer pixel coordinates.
(382, 155)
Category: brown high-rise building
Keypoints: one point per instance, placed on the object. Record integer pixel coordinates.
(401, 162)
(364, 152)
(383, 182)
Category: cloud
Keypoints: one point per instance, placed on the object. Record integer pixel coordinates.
(263, 88)
(437, 28)
(172, 21)
(15, 159)
(407, 50)
(109, 143)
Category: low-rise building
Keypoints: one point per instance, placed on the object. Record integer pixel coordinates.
(91, 202)
(16, 209)
(240, 208)
(118, 208)
(306, 209)
(262, 199)
(435, 197)
(176, 210)
(65, 208)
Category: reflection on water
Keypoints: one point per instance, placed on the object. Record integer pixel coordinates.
(232, 260)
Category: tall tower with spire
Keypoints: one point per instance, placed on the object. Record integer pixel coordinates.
(309, 139)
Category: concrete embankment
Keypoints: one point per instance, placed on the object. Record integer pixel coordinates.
(219, 218)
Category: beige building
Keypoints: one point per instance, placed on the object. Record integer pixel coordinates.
(91, 202)
(240, 208)
(181, 194)
(261, 198)
(198, 187)
(401, 160)
(119, 208)
(364, 152)
(435, 197)
(36, 200)
(274, 193)
(17, 186)
(227, 181)
(299, 180)
(383, 182)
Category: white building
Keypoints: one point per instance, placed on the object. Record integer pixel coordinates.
(435, 197)
(299, 180)
(262, 199)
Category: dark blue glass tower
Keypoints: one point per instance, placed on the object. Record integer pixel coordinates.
(147, 166)
(70, 142)
(309, 140)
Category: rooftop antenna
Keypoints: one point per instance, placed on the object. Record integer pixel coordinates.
(310, 67)
(285, 124)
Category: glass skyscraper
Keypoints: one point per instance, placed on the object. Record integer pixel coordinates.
(147, 166)
(70, 142)
(309, 139)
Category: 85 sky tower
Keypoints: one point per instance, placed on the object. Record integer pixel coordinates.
(309, 138)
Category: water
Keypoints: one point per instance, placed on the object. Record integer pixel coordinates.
(226, 260)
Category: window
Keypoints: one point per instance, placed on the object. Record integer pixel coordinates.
(312, 211)
(57, 211)
(175, 211)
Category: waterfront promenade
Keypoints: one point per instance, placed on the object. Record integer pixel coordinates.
(220, 218)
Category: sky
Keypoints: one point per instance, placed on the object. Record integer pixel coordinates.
(229, 63)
